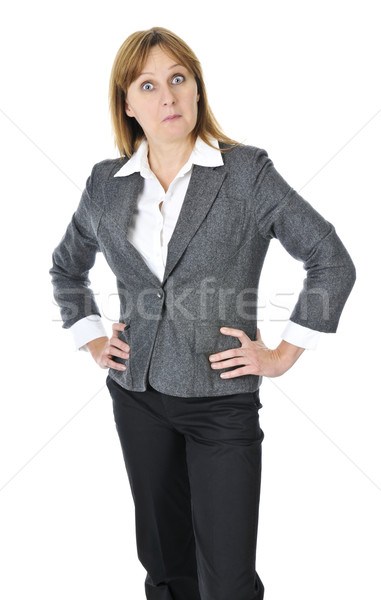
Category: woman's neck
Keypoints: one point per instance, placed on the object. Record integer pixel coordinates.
(166, 160)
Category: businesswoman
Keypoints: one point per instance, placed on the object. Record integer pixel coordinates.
(184, 219)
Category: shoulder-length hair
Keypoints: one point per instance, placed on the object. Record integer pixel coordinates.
(128, 64)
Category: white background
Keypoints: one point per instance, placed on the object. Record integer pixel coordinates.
(300, 79)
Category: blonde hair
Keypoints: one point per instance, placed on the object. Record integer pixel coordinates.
(128, 64)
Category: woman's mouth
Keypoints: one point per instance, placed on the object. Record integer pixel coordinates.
(171, 118)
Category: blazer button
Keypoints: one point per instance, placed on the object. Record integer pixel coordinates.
(159, 295)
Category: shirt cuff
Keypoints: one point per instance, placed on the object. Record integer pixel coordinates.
(87, 329)
(301, 336)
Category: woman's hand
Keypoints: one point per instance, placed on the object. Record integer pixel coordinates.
(102, 349)
(254, 356)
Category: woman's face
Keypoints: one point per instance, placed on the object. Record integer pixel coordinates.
(163, 99)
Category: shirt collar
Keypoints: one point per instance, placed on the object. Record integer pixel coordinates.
(202, 154)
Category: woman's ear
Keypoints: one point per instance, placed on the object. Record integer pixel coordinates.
(128, 110)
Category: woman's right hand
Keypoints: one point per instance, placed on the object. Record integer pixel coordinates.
(102, 349)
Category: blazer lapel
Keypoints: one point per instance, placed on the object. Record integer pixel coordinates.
(121, 194)
(203, 188)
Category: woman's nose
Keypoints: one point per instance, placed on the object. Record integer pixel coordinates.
(168, 96)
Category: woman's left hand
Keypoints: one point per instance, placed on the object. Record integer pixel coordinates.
(254, 356)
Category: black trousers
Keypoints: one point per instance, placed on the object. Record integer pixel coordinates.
(194, 467)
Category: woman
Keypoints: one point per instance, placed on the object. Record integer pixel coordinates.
(184, 219)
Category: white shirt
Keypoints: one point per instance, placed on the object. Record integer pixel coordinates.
(151, 229)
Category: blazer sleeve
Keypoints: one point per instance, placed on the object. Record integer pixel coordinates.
(283, 214)
(72, 260)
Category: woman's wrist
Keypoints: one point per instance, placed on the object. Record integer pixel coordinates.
(288, 354)
(96, 346)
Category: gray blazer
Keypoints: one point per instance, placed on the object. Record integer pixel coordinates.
(215, 256)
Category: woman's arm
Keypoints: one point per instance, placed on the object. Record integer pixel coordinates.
(283, 214)
(72, 260)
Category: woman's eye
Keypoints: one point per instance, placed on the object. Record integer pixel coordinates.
(147, 86)
(178, 79)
